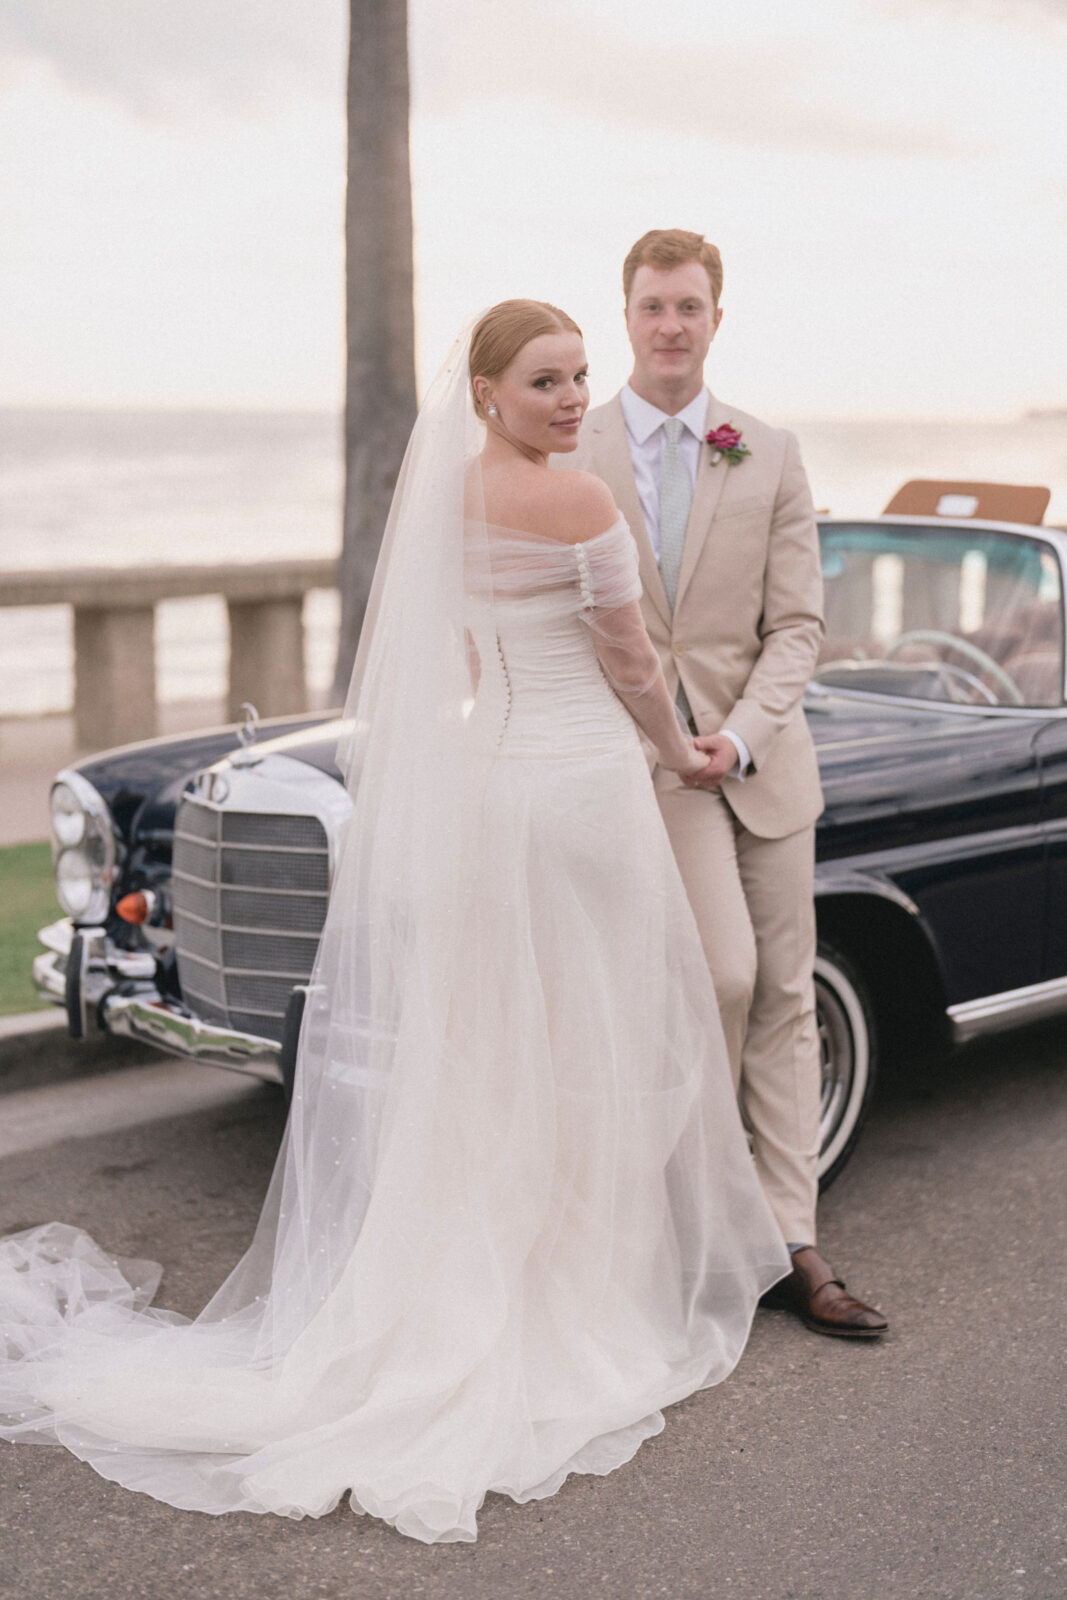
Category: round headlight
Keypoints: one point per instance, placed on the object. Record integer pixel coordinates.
(75, 881)
(83, 847)
(68, 816)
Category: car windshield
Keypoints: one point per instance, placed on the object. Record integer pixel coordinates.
(930, 612)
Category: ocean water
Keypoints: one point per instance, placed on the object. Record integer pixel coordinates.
(149, 488)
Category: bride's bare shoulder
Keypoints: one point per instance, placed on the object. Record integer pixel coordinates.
(568, 506)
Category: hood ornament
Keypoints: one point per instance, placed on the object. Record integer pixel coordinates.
(248, 731)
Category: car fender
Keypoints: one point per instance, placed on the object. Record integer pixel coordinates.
(879, 927)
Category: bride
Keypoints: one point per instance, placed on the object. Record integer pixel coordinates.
(514, 1214)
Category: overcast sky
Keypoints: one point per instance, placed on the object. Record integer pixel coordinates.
(887, 180)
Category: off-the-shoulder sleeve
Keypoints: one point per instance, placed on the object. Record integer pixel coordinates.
(609, 589)
(607, 570)
(602, 572)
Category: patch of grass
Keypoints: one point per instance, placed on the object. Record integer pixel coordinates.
(27, 902)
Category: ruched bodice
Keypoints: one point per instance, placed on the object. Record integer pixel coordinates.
(541, 690)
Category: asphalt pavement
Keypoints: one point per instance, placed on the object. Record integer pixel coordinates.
(927, 1466)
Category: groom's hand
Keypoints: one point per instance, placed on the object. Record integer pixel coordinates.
(722, 758)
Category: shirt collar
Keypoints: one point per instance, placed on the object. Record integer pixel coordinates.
(642, 418)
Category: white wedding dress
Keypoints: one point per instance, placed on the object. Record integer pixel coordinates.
(515, 1215)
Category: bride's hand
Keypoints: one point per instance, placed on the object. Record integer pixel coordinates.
(696, 762)
(719, 755)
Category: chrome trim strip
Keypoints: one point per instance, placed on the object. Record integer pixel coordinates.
(815, 690)
(201, 961)
(247, 972)
(995, 1012)
(250, 888)
(159, 1022)
(1029, 530)
(247, 927)
(855, 882)
(191, 916)
(190, 877)
(244, 1011)
(256, 849)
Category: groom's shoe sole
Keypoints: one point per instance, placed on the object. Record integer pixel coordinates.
(838, 1331)
(777, 1299)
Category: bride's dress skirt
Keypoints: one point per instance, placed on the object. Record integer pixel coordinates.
(515, 1254)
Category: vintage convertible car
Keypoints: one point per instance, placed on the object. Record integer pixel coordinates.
(194, 871)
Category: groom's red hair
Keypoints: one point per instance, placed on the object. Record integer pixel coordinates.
(664, 248)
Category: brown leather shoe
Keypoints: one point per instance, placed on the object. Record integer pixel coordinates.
(821, 1301)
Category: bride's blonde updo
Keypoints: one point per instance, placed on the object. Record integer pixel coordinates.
(503, 332)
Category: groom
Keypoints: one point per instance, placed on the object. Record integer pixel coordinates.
(720, 508)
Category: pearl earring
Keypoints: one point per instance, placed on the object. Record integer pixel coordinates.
(492, 410)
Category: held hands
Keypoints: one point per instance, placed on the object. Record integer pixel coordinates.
(719, 758)
(692, 763)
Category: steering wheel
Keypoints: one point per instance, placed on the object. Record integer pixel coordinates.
(945, 669)
(963, 647)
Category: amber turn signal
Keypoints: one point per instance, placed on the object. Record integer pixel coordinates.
(136, 907)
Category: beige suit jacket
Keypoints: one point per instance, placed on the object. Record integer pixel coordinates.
(747, 620)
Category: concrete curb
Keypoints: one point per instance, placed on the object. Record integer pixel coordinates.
(24, 1022)
(36, 1049)
(52, 1113)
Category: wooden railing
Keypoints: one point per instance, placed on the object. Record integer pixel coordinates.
(115, 631)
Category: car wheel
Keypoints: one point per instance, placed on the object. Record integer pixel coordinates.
(847, 1043)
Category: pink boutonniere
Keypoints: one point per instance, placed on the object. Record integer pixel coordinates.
(726, 441)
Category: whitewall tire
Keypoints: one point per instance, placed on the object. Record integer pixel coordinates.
(847, 1043)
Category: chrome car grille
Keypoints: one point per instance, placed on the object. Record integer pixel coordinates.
(249, 894)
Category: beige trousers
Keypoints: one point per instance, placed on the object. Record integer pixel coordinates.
(754, 906)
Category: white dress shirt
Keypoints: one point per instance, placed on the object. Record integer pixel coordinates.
(645, 437)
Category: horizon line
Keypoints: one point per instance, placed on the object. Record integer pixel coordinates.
(1037, 413)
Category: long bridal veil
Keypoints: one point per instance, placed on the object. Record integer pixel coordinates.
(470, 1272)
(372, 1069)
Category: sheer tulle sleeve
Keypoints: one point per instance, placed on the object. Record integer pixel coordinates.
(609, 590)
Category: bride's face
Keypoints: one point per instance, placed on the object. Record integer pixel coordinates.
(542, 397)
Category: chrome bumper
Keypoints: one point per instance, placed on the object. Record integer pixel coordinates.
(50, 967)
(160, 1021)
(133, 1007)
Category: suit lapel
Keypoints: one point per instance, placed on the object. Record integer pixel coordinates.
(707, 491)
(613, 464)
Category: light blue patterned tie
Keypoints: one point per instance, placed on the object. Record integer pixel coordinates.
(675, 498)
